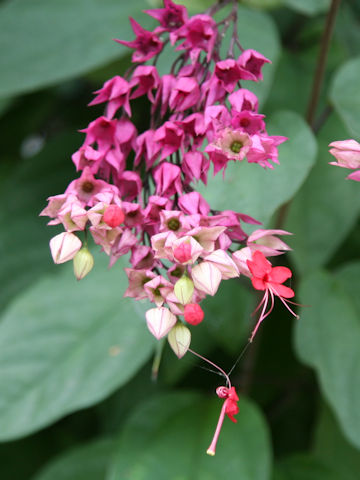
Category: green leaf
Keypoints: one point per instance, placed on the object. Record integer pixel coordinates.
(303, 467)
(345, 97)
(66, 345)
(48, 42)
(24, 233)
(228, 315)
(88, 462)
(173, 446)
(332, 448)
(326, 199)
(256, 191)
(328, 338)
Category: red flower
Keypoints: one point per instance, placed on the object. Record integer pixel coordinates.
(270, 279)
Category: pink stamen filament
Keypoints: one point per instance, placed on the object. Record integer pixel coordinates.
(212, 448)
(214, 365)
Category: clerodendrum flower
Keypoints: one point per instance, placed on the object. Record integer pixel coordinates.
(136, 188)
(270, 279)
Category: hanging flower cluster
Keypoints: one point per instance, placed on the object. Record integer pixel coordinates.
(137, 189)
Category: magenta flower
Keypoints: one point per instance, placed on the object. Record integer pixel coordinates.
(251, 63)
(146, 44)
(116, 92)
(185, 94)
(171, 17)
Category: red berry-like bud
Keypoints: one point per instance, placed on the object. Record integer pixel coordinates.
(193, 313)
(113, 216)
(182, 253)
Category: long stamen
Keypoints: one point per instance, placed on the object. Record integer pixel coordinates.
(284, 302)
(262, 315)
(212, 448)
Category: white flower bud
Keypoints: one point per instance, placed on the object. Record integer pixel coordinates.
(206, 277)
(64, 247)
(160, 321)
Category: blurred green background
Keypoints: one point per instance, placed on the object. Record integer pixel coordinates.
(76, 398)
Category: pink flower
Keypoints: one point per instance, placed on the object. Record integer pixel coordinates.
(248, 121)
(87, 186)
(157, 289)
(170, 138)
(192, 203)
(147, 79)
(137, 280)
(171, 17)
(251, 62)
(224, 263)
(195, 166)
(266, 242)
(185, 94)
(130, 185)
(199, 32)
(167, 177)
(228, 71)
(116, 92)
(146, 149)
(264, 149)
(234, 144)
(87, 156)
(270, 279)
(347, 154)
(102, 131)
(243, 99)
(142, 257)
(146, 44)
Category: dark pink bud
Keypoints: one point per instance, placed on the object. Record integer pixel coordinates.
(113, 216)
(193, 314)
(182, 253)
(222, 392)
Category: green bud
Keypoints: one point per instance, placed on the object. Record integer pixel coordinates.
(184, 289)
(179, 339)
(83, 263)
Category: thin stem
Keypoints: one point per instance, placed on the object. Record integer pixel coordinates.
(214, 365)
(321, 62)
(157, 359)
(316, 88)
(212, 448)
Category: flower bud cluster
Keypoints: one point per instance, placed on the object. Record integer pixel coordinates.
(136, 190)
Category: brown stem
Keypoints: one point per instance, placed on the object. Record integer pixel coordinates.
(321, 62)
(316, 88)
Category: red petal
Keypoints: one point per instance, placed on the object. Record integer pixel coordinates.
(282, 290)
(258, 284)
(259, 266)
(279, 274)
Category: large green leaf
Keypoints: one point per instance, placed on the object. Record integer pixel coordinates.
(258, 192)
(23, 232)
(326, 207)
(88, 462)
(308, 7)
(167, 439)
(66, 345)
(44, 42)
(303, 467)
(345, 96)
(328, 339)
(333, 449)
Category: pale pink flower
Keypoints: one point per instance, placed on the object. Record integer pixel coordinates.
(137, 280)
(206, 277)
(73, 217)
(224, 263)
(347, 154)
(160, 321)
(142, 257)
(157, 289)
(234, 144)
(64, 247)
(267, 242)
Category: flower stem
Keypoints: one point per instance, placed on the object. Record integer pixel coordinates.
(321, 62)
(157, 359)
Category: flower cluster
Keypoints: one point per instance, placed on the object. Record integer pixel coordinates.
(347, 154)
(136, 190)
